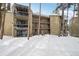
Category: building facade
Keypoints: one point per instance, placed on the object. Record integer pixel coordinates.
(16, 22)
(74, 27)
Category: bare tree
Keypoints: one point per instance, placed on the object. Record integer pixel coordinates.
(3, 20)
(0, 15)
(39, 19)
(29, 21)
(78, 17)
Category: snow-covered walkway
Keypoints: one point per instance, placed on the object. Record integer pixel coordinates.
(46, 45)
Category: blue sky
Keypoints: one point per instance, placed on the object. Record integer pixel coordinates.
(46, 8)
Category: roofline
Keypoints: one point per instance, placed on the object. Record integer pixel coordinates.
(54, 15)
(41, 15)
(16, 4)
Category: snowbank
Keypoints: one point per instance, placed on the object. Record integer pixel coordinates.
(39, 45)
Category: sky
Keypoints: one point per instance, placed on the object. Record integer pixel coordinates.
(46, 8)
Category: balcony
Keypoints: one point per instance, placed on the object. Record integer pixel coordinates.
(21, 25)
(19, 28)
(18, 16)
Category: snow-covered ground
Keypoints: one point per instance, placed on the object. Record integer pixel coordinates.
(40, 45)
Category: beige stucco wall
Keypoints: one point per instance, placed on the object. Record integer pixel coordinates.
(74, 31)
(8, 24)
(55, 24)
